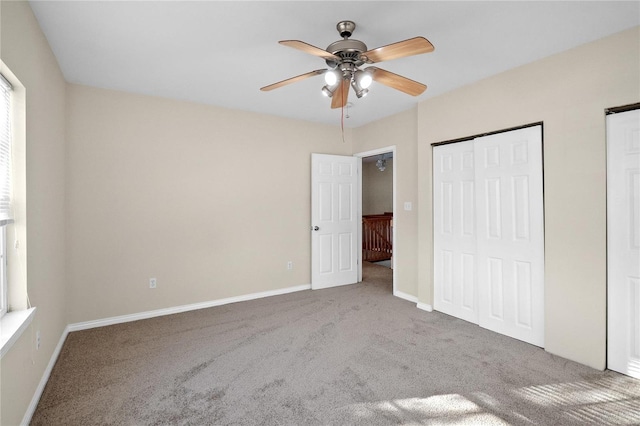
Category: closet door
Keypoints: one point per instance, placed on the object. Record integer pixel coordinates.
(454, 231)
(623, 242)
(510, 228)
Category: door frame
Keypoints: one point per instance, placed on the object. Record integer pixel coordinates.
(394, 258)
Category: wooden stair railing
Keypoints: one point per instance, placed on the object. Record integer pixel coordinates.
(377, 237)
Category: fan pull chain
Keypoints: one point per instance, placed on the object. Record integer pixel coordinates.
(342, 115)
(342, 124)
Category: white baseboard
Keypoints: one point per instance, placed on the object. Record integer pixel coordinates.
(183, 308)
(424, 307)
(45, 378)
(413, 299)
(406, 296)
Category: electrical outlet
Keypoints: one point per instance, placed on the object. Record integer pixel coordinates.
(289, 265)
(38, 339)
(153, 283)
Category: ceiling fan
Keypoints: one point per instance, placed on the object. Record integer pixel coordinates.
(344, 59)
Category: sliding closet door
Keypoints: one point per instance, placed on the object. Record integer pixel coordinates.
(509, 206)
(454, 231)
(623, 242)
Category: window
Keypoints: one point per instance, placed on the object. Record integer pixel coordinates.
(16, 313)
(5, 185)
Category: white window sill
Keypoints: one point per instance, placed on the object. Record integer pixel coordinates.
(12, 325)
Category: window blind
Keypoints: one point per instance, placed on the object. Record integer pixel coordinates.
(6, 214)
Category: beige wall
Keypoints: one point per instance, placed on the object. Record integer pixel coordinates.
(399, 130)
(377, 188)
(25, 51)
(211, 202)
(568, 92)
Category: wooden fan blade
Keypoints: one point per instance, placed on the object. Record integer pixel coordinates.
(397, 82)
(291, 80)
(401, 49)
(312, 50)
(340, 96)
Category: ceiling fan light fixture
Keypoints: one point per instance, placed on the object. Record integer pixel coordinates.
(363, 78)
(360, 92)
(326, 90)
(331, 77)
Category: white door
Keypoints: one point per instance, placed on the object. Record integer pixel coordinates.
(510, 227)
(623, 242)
(334, 220)
(454, 231)
(489, 232)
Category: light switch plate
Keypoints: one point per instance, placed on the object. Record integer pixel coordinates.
(407, 205)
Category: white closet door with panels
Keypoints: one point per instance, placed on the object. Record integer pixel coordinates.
(510, 220)
(623, 242)
(489, 232)
(454, 227)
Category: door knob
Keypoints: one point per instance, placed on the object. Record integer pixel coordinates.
(316, 228)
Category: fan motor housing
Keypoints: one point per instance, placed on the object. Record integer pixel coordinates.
(348, 50)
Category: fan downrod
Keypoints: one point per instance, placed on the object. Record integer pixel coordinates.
(346, 28)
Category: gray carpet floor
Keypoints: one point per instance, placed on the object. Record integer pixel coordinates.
(347, 355)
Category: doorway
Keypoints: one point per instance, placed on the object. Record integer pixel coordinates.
(378, 206)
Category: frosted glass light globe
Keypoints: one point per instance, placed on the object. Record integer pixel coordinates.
(365, 80)
(330, 78)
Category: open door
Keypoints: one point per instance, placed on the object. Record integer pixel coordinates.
(334, 220)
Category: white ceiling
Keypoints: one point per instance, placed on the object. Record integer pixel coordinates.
(222, 52)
